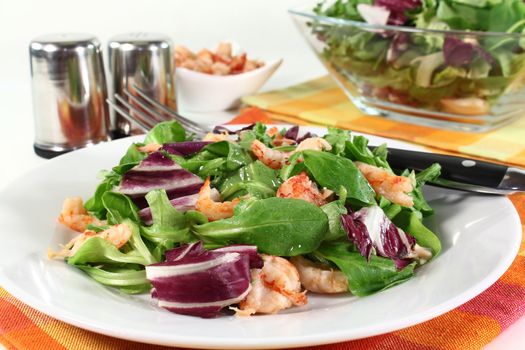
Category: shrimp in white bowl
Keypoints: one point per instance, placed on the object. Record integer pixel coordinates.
(275, 287)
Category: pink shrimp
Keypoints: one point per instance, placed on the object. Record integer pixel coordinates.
(118, 235)
(277, 159)
(208, 204)
(274, 287)
(301, 187)
(75, 216)
(270, 157)
(318, 278)
(394, 188)
(219, 137)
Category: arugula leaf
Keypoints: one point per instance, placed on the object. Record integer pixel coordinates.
(98, 250)
(410, 222)
(429, 174)
(95, 205)
(337, 139)
(333, 211)
(235, 156)
(294, 167)
(277, 226)
(133, 155)
(332, 172)
(165, 132)
(127, 280)
(119, 207)
(357, 149)
(169, 227)
(258, 132)
(255, 179)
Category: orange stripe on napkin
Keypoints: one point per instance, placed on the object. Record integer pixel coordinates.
(19, 331)
(251, 115)
(453, 330)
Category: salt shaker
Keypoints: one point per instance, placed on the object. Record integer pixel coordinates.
(69, 93)
(145, 60)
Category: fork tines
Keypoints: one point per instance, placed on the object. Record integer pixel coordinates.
(139, 108)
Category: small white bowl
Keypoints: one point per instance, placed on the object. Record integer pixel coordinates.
(200, 92)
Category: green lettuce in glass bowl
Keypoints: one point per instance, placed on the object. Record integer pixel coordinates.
(457, 64)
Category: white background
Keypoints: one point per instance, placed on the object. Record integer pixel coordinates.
(262, 27)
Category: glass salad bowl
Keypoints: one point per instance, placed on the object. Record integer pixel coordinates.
(455, 79)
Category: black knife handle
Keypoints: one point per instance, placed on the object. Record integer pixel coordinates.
(465, 170)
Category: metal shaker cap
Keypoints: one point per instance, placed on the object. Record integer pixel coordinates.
(143, 59)
(69, 93)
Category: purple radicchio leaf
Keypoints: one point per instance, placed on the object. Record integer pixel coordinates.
(219, 129)
(256, 262)
(398, 45)
(198, 282)
(460, 53)
(185, 148)
(187, 250)
(293, 134)
(370, 228)
(357, 234)
(158, 171)
(398, 9)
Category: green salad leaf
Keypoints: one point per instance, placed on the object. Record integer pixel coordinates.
(411, 223)
(126, 280)
(170, 227)
(166, 132)
(119, 207)
(277, 226)
(332, 172)
(364, 277)
(254, 179)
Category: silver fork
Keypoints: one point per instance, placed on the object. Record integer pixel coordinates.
(146, 112)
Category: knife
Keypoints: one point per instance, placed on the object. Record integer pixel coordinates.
(462, 173)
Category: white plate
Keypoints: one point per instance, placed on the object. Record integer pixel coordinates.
(480, 237)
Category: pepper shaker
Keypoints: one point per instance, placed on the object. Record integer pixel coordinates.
(69, 93)
(144, 59)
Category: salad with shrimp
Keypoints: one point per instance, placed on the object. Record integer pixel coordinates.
(251, 221)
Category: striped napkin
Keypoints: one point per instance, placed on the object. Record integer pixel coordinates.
(321, 101)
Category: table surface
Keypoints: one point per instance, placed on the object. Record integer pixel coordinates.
(269, 34)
